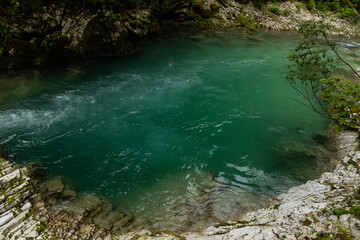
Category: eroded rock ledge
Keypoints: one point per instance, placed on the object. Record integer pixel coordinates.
(326, 208)
(62, 35)
(28, 211)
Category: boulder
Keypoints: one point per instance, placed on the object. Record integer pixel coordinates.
(54, 186)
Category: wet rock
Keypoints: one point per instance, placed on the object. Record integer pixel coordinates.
(68, 194)
(255, 39)
(37, 171)
(203, 10)
(197, 37)
(123, 222)
(215, 8)
(303, 160)
(54, 186)
(106, 219)
(73, 73)
(321, 139)
(87, 205)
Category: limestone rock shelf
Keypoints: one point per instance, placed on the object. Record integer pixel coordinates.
(27, 211)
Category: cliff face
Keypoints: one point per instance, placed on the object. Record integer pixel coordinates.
(58, 34)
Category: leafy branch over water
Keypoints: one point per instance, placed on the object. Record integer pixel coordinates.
(312, 73)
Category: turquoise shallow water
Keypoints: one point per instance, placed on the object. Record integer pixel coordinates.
(191, 128)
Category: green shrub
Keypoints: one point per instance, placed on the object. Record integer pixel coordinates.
(286, 12)
(323, 236)
(348, 13)
(247, 21)
(298, 7)
(311, 5)
(4, 31)
(323, 6)
(275, 10)
(258, 4)
(342, 96)
(339, 211)
(307, 222)
(357, 194)
(223, 223)
(313, 66)
(315, 220)
(335, 5)
(214, 7)
(355, 211)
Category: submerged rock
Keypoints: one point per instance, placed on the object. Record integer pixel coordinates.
(54, 186)
(321, 139)
(19, 85)
(197, 37)
(37, 171)
(302, 160)
(69, 194)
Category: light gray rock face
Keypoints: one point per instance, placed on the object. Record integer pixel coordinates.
(16, 219)
(291, 13)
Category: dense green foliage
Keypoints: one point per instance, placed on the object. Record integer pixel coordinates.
(312, 74)
(344, 7)
(37, 5)
(343, 99)
(14, 8)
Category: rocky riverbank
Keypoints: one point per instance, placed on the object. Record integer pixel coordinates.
(326, 208)
(25, 211)
(58, 34)
(285, 16)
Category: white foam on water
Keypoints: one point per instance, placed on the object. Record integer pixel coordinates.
(256, 180)
(44, 112)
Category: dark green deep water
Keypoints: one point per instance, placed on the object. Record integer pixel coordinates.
(189, 128)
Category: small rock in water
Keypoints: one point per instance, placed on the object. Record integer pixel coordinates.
(320, 139)
(255, 38)
(89, 202)
(55, 186)
(301, 159)
(37, 170)
(70, 194)
(198, 37)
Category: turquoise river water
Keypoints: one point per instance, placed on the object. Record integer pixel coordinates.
(191, 128)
